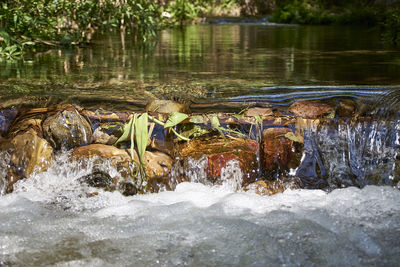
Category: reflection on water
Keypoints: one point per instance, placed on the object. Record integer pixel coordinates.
(234, 59)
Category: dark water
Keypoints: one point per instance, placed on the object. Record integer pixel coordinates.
(217, 61)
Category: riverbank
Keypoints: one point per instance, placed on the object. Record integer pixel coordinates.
(28, 27)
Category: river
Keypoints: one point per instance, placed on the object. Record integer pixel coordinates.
(51, 219)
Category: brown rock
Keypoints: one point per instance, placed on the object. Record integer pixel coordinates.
(107, 133)
(309, 109)
(166, 106)
(218, 152)
(158, 164)
(268, 188)
(278, 150)
(346, 108)
(256, 111)
(67, 129)
(29, 153)
(119, 158)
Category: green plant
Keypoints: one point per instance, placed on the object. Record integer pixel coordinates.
(391, 26)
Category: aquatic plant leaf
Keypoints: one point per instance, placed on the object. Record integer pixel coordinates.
(174, 119)
(126, 132)
(215, 122)
(258, 118)
(141, 136)
(197, 119)
(238, 116)
(331, 115)
(132, 148)
(294, 138)
(195, 131)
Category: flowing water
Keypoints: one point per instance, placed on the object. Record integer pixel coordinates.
(51, 219)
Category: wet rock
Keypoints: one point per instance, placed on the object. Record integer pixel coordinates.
(29, 153)
(98, 179)
(107, 133)
(67, 129)
(158, 164)
(128, 189)
(309, 109)
(216, 154)
(166, 106)
(280, 153)
(119, 158)
(257, 111)
(268, 188)
(25, 124)
(346, 108)
(6, 117)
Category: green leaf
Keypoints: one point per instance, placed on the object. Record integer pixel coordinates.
(126, 132)
(174, 119)
(294, 138)
(238, 116)
(215, 122)
(197, 119)
(141, 130)
(258, 118)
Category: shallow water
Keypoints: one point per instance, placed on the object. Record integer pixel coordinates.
(224, 61)
(50, 220)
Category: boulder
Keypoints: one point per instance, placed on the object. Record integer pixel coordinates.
(67, 129)
(309, 109)
(28, 154)
(214, 155)
(166, 106)
(280, 152)
(158, 165)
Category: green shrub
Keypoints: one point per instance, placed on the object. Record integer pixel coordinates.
(392, 26)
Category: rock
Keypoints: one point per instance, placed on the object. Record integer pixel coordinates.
(268, 188)
(67, 129)
(158, 164)
(346, 108)
(25, 124)
(6, 117)
(166, 106)
(256, 111)
(279, 151)
(107, 133)
(29, 154)
(309, 109)
(119, 158)
(215, 154)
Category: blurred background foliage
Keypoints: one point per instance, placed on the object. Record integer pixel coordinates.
(45, 23)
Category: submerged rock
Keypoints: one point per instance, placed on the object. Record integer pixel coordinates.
(29, 153)
(257, 111)
(6, 117)
(166, 106)
(67, 129)
(268, 188)
(309, 109)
